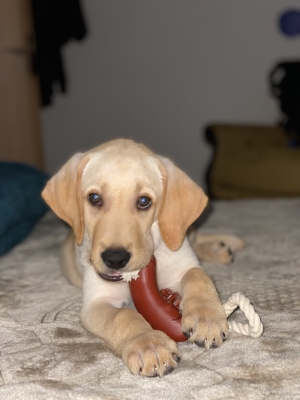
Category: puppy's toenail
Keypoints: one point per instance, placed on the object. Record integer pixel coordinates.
(169, 370)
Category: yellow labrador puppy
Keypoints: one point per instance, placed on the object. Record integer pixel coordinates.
(125, 204)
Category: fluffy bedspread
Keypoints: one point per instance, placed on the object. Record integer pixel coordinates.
(46, 353)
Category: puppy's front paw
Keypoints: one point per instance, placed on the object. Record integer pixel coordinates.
(151, 354)
(204, 323)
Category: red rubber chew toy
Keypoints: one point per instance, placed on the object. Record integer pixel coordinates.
(160, 309)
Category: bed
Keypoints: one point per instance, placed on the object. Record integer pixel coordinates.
(45, 353)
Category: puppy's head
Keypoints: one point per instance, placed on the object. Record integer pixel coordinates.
(112, 195)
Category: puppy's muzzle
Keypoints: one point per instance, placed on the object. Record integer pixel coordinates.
(115, 258)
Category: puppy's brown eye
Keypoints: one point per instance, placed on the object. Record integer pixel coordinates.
(95, 199)
(144, 202)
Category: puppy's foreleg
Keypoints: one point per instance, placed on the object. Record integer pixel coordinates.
(203, 316)
(145, 351)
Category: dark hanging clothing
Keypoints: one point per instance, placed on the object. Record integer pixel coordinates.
(56, 22)
(285, 86)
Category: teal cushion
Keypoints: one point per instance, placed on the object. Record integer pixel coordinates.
(21, 204)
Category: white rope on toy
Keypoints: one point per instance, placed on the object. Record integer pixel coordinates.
(255, 327)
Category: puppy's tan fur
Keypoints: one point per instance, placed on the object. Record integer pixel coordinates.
(122, 171)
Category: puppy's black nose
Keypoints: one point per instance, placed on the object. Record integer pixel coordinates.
(115, 258)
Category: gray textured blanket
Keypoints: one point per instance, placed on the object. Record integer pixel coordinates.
(46, 354)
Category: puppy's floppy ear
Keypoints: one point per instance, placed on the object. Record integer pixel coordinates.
(182, 203)
(63, 194)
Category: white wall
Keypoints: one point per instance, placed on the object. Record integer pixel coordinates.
(158, 71)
